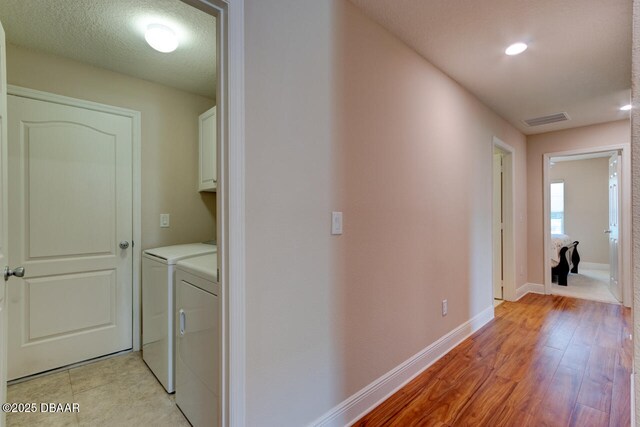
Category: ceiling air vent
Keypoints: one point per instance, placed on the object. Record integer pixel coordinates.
(545, 120)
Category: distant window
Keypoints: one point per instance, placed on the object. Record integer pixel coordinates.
(557, 208)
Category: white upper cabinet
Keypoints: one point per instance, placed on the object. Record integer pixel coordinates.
(208, 171)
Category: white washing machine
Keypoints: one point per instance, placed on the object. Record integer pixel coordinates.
(158, 306)
(199, 342)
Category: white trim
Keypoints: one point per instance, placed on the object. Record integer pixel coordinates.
(236, 216)
(529, 288)
(598, 155)
(546, 221)
(230, 205)
(625, 213)
(363, 401)
(593, 266)
(136, 137)
(509, 262)
(137, 232)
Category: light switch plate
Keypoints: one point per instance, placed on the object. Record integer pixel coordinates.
(336, 223)
(164, 220)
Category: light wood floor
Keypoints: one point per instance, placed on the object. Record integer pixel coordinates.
(543, 361)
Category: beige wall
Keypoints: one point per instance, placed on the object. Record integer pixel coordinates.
(586, 205)
(169, 138)
(351, 119)
(612, 133)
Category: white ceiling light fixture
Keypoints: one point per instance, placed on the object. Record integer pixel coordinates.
(516, 49)
(161, 38)
(625, 107)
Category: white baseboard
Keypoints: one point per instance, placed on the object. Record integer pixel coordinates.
(533, 288)
(592, 266)
(363, 401)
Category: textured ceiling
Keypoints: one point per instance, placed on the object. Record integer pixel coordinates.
(110, 34)
(578, 61)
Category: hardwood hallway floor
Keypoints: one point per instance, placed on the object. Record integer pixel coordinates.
(543, 361)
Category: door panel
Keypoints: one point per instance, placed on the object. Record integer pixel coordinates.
(63, 305)
(53, 183)
(3, 223)
(70, 206)
(614, 246)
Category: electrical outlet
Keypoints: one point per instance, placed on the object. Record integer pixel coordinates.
(164, 220)
(445, 307)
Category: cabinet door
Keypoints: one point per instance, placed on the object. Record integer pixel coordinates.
(208, 170)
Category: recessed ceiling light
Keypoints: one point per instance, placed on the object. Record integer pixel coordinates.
(625, 107)
(161, 38)
(516, 49)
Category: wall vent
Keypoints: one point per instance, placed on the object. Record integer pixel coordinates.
(545, 120)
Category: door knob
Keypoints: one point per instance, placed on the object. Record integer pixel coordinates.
(607, 231)
(18, 272)
(124, 244)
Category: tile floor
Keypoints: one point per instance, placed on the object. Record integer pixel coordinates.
(120, 391)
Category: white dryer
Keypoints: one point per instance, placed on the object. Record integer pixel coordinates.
(158, 306)
(199, 342)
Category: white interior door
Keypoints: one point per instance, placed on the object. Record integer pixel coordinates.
(3, 224)
(614, 215)
(497, 227)
(70, 210)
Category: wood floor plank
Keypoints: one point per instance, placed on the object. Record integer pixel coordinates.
(620, 415)
(584, 416)
(562, 393)
(419, 385)
(602, 364)
(486, 403)
(529, 393)
(509, 417)
(444, 401)
(595, 394)
(543, 361)
(576, 356)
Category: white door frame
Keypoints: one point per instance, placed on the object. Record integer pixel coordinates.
(135, 117)
(508, 208)
(624, 209)
(230, 202)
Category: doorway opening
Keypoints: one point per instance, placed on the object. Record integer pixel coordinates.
(154, 159)
(503, 250)
(586, 205)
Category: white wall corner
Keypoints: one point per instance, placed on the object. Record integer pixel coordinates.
(529, 288)
(363, 401)
(633, 399)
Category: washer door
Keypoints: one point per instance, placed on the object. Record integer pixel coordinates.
(198, 354)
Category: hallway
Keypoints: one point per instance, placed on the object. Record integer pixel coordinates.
(543, 361)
